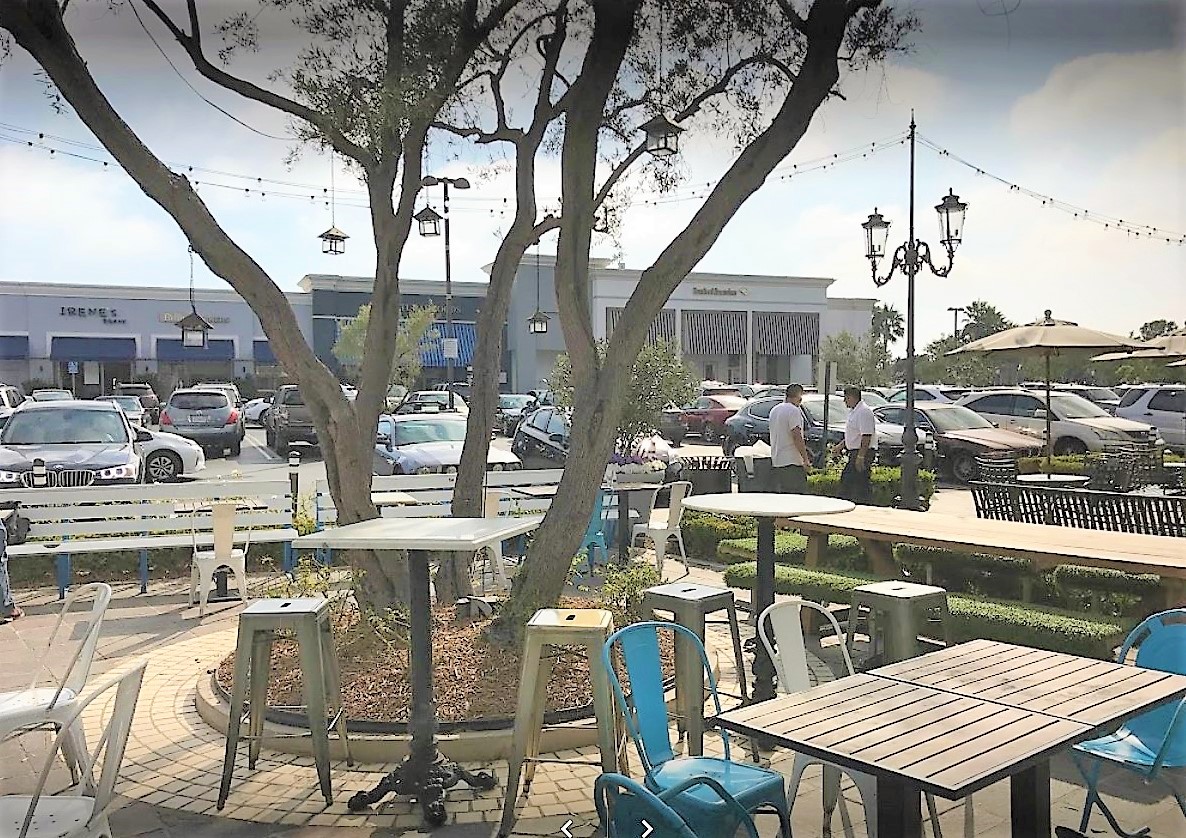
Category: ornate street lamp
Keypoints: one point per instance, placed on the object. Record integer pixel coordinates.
(429, 227)
(662, 136)
(910, 258)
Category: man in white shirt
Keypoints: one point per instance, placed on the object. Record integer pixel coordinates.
(860, 443)
(788, 450)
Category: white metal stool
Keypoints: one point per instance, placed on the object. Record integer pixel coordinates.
(898, 612)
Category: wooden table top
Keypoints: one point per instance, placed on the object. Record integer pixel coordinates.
(1132, 552)
(455, 534)
(958, 720)
(393, 498)
(767, 504)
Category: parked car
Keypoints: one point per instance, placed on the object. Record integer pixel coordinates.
(459, 388)
(51, 395)
(169, 457)
(10, 399)
(929, 393)
(427, 444)
(670, 426)
(871, 397)
(437, 397)
(256, 409)
(207, 416)
(81, 443)
(1078, 426)
(289, 420)
(707, 415)
(544, 396)
(961, 435)
(1163, 407)
(147, 396)
(510, 410)
(232, 391)
(131, 407)
(541, 440)
(1105, 397)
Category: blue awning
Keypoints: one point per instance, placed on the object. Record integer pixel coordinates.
(261, 352)
(432, 353)
(93, 349)
(13, 347)
(171, 349)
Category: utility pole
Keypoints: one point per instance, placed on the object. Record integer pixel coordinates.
(955, 313)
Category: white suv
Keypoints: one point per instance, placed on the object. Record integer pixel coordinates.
(1078, 425)
(1162, 406)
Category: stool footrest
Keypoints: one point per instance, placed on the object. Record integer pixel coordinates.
(557, 761)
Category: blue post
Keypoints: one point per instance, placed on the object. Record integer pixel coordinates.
(286, 562)
(143, 571)
(64, 574)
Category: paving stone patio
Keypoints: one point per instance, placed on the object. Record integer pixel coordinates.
(169, 781)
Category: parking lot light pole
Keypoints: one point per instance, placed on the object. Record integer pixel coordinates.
(910, 257)
(431, 230)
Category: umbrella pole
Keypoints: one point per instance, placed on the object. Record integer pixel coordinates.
(1049, 435)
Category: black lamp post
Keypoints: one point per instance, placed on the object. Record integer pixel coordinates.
(430, 226)
(956, 311)
(910, 257)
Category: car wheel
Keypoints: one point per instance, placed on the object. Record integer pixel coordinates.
(162, 467)
(236, 448)
(963, 467)
(1068, 445)
(710, 434)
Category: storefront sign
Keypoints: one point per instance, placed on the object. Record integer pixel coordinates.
(174, 317)
(715, 291)
(107, 315)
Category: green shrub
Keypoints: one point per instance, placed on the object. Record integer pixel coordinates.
(976, 573)
(1105, 580)
(622, 587)
(885, 479)
(843, 553)
(702, 533)
(971, 617)
(1069, 464)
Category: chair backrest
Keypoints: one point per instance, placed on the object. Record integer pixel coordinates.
(781, 628)
(645, 710)
(675, 506)
(79, 668)
(597, 517)
(109, 749)
(623, 804)
(1160, 641)
(492, 503)
(997, 469)
(223, 524)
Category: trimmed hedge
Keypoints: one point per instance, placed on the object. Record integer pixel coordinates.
(1105, 580)
(885, 479)
(843, 553)
(1069, 464)
(978, 573)
(971, 617)
(703, 532)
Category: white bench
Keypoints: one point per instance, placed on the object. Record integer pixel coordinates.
(67, 522)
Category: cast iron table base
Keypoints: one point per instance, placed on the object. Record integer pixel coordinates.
(410, 780)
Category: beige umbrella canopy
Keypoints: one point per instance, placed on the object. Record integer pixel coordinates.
(1048, 337)
(1168, 346)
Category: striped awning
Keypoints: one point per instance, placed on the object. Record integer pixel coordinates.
(786, 333)
(715, 332)
(663, 327)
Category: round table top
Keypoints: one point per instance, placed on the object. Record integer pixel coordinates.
(1067, 479)
(767, 504)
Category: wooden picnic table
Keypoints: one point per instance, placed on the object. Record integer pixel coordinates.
(878, 528)
(954, 722)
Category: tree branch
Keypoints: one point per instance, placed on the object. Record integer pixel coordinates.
(792, 15)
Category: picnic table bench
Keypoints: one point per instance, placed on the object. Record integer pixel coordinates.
(110, 519)
(879, 528)
(1085, 508)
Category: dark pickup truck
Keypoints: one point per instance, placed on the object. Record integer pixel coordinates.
(289, 420)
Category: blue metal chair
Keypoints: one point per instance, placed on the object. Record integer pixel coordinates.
(647, 722)
(595, 533)
(623, 806)
(1153, 740)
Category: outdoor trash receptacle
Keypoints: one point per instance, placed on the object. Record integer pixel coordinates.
(708, 475)
(754, 473)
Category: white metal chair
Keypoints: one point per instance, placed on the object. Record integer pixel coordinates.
(53, 705)
(663, 524)
(83, 812)
(781, 628)
(224, 553)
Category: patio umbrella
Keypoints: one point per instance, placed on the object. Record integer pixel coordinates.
(1181, 363)
(1172, 345)
(1048, 337)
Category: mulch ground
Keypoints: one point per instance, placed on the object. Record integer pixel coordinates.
(472, 679)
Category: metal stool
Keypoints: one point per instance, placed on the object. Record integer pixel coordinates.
(905, 607)
(588, 627)
(690, 604)
(258, 624)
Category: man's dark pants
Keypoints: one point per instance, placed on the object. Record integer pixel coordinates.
(790, 480)
(855, 485)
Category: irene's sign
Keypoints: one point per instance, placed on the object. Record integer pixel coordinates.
(176, 317)
(107, 315)
(715, 291)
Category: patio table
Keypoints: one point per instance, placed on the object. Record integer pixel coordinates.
(956, 721)
(1065, 481)
(766, 507)
(393, 498)
(425, 774)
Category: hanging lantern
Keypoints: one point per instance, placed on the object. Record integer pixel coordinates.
(333, 241)
(537, 324)
(662, 136)
(193, 330)
(951, 212)
(429, 221)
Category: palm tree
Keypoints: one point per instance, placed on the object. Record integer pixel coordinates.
(888, 326)
(983, 319)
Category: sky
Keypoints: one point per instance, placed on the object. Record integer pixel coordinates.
(1083, 101)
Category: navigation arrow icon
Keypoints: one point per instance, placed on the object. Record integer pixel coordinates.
(647, 829)
(567, 824)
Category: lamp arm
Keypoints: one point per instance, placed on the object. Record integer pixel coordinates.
(924, 255)
(899, 261)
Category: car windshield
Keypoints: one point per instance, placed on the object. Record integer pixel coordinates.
(198, 401)
(1070, 406)
(1101, 394)
(52, 396)
(63, 426)
(872, 399)
(134, 389)
(127, 402)
(837, 409)
(956, 419)
(512, 402)
(413, 433)
(292, 397)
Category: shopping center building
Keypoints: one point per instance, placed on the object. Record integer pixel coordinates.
(729, 327)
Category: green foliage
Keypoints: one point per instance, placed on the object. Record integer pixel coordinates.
(860, 360)
(621, 590)
(414, 324)
(971, 617)
(659, 378)
(978, 573)
(888, 326)
(843, 553)
(1103, 579)
(886, 481)
(304, 521)
(1069, 464)
(703, 533)
(1156, 329)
